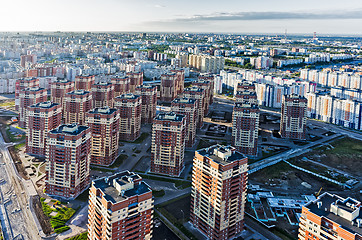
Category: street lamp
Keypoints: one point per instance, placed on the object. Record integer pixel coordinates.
(183, 216)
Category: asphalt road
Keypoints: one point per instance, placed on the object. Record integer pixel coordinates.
(16, 199)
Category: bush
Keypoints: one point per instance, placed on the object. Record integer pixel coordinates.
(62, 229)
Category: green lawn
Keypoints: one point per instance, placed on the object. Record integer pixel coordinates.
(158, 193)
(346, 146)
(82, 236)
(63, 215)
(119, 161)
(7, 104)
(13, 137)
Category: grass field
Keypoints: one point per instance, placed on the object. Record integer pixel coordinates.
(346, 146)
(82, 236)
(61, 216)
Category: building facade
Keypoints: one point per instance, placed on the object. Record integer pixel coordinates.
(218, 195)
(135, 79)
(68, 159)
(130, 107)
(168, 88)
(84, 82)
(294, 117)
(28, 97)
(168, 143)
(76, 104)
(148, 94)
(121, 85)
(104, 125)
(245, 128)
(59, 89)
(187, 107)
(200, 96)
(120, 207)
(103, 94)
(41, 118)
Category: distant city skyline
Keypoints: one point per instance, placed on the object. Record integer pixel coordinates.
(236, 16)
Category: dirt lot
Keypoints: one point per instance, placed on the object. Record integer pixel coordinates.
(283, 177)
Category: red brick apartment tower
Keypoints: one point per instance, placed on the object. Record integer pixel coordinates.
(31, 58)
(246, 96)
(168, 143)
(120, 207)
(209, 86)
(148, 94)
(331, 217)
(84, 82)
(130, 107)
(68, 158)
(294, 119)
(76, 105)
(187, 107)
(103, 94)
(199, 95)
(21, 84)
(245, 92)
(104, 125)
(136, 79)
(245, 128)
(180, 80)
(58, 90)
(209, 89)
(121, 85)
(218, 195)
(168, 88)
(28, 97)
(41, 118)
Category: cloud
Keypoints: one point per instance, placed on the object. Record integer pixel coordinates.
(159, 6)
(252, 16)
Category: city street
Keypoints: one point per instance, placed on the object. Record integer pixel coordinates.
(15, 200)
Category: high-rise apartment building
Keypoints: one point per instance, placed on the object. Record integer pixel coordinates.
(58, 90)
(121, 85)
(180, 80)
(28, 97)
(27, 59)
(120, 207)
(208, 87)
(103, 94)
(218, 195)
(331, 217)
(199, 95)
(245, 128)
(206, 81)
(168, 143)
(84, 82)
(293, 121)
(76, 104)
(148, 94)
(136, 79)
(168, 88)
(21, 84)
(187, 107)
(41, 118)
(130, 107)
(104, 125)
(206, 63)
(68, 159)
(246, 96)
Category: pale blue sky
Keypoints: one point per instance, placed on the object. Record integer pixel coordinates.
(252, 16)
